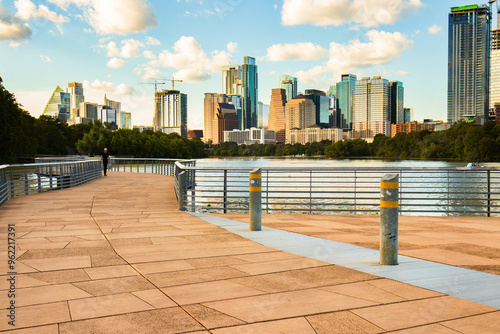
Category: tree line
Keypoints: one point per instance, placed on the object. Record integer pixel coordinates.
(463, 141)
(24, 136)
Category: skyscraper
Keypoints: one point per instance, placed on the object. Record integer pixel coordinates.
(172, 112)
(76, 97)
(225, 119)
(345, 90)
(300, 113)
(277, 114)
(289, 84)
(59, 105)
(468, 62)
(231, 79)
(210, 107)
(371, 108)
(115, 105)
(322, 103)
(249, 93)
(495, 68)
(396, 102)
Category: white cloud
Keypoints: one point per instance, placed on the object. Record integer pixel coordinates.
(404, 73)
(116, 63)
(191, 75)
(27, 10)
(45, 58)
(434, 29)
(232, 47)
(149, 54)
(188, 54)
(298, 51)
(382, 48)
(108, 87)
(12, 28)
(147, 72)
(367, 13)
(130, 48)
(114, 16)
(314, 76)
(152, 41)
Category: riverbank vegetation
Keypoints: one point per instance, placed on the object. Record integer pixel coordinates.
(463, 141)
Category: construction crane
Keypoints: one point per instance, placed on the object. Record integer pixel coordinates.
(172, 80)
(156, 82)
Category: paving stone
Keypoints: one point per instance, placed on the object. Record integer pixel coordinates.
(341, 322)
(155, 298)
(184, 277)
(61, 276)
(38, 315)
(110, 272)
(110, 286)
(291, 326)
(486, 323)
(48, 294)
(211, 318)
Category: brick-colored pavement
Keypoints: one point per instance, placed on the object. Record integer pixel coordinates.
(115, 256)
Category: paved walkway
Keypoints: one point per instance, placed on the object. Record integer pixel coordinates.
(115, 256)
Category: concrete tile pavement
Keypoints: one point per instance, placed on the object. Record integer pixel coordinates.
(115, 256)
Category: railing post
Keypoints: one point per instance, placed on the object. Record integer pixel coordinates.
(37, 170)
(389, 195)
(181, 189)
(12, 185)
(225, 191)
(26, 182)
(489, 193)
(255, 199)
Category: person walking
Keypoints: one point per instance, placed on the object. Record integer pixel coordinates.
(105, 159)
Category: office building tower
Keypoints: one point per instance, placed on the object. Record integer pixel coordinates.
(495, 68)
(236, 101)
(108, 115)
(210, 107)
(332, 107)
(300, 113)
(345, 90)
(262, 114)
(249, 93)
(468, 62)
(408, 112)
(322, 103)
(231, 80)
(125, 120)
(75, 89)
(59, 105)
(116, 105)
(171, 112)
(289, 84)
(277, 114)
(225, 119)
(371, 108)
(396, 102)
(85, 113)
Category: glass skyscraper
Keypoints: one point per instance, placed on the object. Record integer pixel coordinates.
(249, 93)
(495, 68)
(468, 62)
(345, 90)
(231, 79)
(322, 103)
(59, 105)
(396, 102)
(289, 84)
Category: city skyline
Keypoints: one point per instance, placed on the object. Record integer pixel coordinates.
(398, 40)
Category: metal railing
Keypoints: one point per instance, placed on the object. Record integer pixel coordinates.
(26, 179)
(426, 190)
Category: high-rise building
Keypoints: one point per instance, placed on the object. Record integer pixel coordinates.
(59, 105)
(408, 115)
(289, 84)
(225, 119)
(210, 107)
(371, 108)
(125, 120)
(109, 115)
(495, 68)
(322, 103)
(345, 90)
(249, 93)
(236, 101)
(231, 79)
(116, 105)
(332, 107)
(76, 91)
(277, 114)
(300, 113)
(468, 62)
(172, 112)
(396, 102)
(262, 114)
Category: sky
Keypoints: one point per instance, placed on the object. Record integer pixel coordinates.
(116, 47)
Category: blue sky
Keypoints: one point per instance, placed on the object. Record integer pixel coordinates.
(114, 45)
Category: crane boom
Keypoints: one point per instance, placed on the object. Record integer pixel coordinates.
(156, 82)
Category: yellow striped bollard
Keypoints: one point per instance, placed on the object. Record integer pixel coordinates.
(389, 196)
(254, 199)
